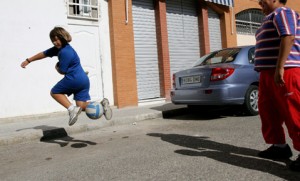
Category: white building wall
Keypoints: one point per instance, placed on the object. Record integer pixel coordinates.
(105, 51)
(245, 40)
(25, 27)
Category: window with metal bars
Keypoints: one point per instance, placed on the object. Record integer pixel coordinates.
(248, 21)
(83, 9)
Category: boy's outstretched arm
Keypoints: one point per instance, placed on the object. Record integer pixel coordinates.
(38, 56)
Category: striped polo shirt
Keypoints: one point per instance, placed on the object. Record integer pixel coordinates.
(282, 21)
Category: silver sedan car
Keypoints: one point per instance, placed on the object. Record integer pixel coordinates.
(223, 77)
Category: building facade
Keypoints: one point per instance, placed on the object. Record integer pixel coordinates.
(130, 48)
(152, 39)
(26, 32)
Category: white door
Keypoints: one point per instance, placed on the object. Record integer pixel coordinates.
(85, 41)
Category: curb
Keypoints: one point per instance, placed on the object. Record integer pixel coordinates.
(43, 135)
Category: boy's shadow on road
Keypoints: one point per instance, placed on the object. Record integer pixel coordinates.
(59, 136)
(233, 155)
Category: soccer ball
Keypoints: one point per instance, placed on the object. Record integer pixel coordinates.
(94, 110)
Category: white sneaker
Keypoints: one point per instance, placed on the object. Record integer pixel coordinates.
(74, 115)
(107, 110)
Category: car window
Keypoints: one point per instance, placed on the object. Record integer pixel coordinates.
(217, 57)
(199, 61)
(251, 55)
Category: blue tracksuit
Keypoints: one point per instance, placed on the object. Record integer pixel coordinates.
(75, 80)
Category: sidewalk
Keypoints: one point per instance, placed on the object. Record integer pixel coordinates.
(55, 125)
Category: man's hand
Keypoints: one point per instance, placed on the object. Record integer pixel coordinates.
(278, 77)
(284, 51)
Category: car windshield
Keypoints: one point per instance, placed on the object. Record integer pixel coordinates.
(217, 57)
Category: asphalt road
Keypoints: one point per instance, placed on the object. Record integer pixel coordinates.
(208, 145)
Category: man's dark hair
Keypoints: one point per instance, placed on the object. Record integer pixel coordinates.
(283, 1)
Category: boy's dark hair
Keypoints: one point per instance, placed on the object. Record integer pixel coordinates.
(283, 1)
(61, 34)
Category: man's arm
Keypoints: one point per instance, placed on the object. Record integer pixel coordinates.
(284, 51)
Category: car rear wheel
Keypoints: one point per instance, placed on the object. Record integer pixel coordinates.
(251, 100)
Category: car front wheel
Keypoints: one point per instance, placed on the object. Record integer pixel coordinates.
(251, 100)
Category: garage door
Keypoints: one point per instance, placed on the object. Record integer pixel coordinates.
(145, 46)
(183, 33)
(214, 30)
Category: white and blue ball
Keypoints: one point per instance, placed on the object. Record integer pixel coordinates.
(94, 110)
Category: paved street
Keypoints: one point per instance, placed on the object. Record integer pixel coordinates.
(212, 145)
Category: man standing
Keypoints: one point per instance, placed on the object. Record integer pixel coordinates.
(277, 57)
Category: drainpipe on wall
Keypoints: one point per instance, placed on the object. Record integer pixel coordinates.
(232, 14)
(126, 6)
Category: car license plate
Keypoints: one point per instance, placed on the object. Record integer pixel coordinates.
(191, 79)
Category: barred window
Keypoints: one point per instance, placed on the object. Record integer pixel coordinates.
(248, 21)
(83, 9)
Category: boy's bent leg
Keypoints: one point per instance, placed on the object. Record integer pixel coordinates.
(62, 99)
(107, 109)
(74, 113)
(82, 104)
